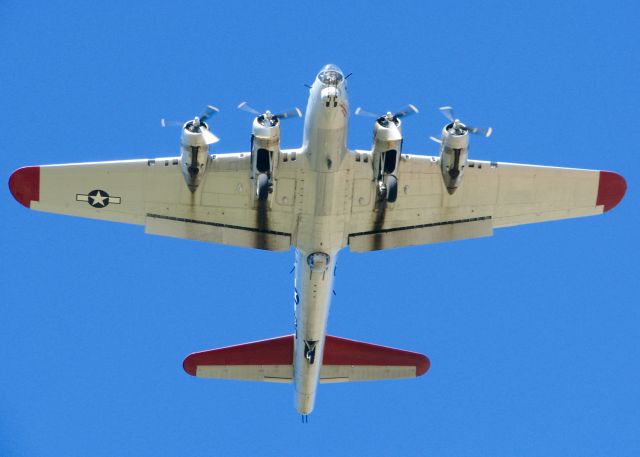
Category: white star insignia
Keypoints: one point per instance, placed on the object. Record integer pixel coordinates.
(98, 199)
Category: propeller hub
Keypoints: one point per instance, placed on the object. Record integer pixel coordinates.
(458, 128)
(268, 118)
(197, 124)
(389, 117)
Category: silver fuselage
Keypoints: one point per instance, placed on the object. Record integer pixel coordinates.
(320, 230)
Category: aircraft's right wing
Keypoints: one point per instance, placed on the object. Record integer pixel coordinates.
(153, 193)
(492, 195)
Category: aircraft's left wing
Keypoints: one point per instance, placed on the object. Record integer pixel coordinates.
(153, 193)
(492, 195)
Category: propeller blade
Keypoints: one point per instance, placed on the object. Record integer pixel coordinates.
(295, 112)
(486, 132)
(209, 137)
(408, 110)
(244, 106)
(208, 112)
(360, 112)
(437, 140)
(167, 123)
(447, 112)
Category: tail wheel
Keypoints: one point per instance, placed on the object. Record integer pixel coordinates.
(392, 188)
(262, 187)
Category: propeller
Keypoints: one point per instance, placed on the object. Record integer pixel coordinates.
(268, 118)
(459, 128)
(198, 124)
(388, 117)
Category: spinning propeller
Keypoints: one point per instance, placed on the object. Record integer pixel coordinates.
(385, 119)
(458, 128)
(268, 119)
(198, 124)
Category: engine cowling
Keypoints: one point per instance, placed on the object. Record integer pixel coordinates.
(387, 146)
(265, 134)
(453, 154)
(386, 150)
(194, 153)
(265, 147)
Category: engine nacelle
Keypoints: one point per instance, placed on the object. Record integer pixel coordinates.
(265, 147)
(266, 133)
(453, 155)
(387, 147)
(194, 153)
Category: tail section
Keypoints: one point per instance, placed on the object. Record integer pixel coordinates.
(272, 361)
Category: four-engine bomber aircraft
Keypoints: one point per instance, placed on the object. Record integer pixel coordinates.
(318, 198)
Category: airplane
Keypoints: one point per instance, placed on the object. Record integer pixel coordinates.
(318, 198)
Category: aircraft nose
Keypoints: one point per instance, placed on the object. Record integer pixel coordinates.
(330, 75)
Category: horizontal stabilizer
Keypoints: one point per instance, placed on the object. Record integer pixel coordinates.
(272, 360)
(350, 360)
(265, 360)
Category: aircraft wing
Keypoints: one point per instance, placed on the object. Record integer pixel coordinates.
(492, 195)
(153, 193)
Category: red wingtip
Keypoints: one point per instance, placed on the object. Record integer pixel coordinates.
(24, 185)
(423, 365)
(189, 365)
(611, 189)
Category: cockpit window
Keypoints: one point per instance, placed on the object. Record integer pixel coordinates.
(330, 75)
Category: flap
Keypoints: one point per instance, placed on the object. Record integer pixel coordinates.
(436, 232)
(215, 232)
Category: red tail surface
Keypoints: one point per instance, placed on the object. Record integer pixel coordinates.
(272, 360)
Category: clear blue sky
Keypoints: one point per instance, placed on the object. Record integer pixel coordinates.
(533, 334)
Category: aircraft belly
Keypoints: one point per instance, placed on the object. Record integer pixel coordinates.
(324, 211)
(321, 232)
